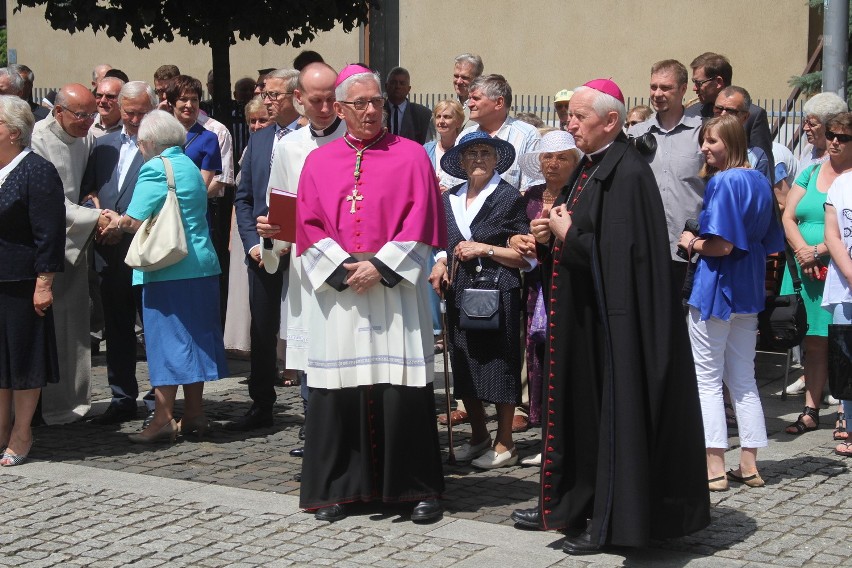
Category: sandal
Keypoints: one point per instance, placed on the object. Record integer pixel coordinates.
(840, 432)
(844, 449)
(439, 345)
(753, 480)
(799, 426)
(730, 415)
(458, 417)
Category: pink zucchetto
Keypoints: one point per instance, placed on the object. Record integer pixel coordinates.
(350, 70)
(606, 86)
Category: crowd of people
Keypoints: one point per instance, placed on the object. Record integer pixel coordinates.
(599, 277)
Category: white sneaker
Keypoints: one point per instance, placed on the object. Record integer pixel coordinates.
(830, 400)
(492, 460)
(532, 460)
(466, 452)
(796, 387)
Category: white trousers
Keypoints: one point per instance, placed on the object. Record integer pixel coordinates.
(724, 351)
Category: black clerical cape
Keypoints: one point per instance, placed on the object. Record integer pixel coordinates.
(623, 441)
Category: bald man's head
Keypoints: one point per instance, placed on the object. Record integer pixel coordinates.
(75, 109)
(315, 92)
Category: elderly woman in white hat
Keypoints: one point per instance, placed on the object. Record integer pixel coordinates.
(553, 161)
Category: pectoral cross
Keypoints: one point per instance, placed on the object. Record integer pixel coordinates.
(353, 198)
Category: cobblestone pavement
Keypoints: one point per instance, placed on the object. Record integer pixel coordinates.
(89, 498)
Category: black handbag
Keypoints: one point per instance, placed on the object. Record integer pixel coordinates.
(783, 322)
(840, 361)
(479, 308)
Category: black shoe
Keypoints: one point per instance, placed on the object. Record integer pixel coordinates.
(148, 419)
(302, 433)
(255, 418)
(332, 513)
(297, 478)
(297, 452)
(115, 414)
(527, 518)
(426, 511)
(581, 544)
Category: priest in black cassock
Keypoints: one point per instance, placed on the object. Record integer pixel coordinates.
(623, 447)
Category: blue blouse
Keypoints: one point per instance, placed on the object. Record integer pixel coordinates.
(738, 207)
(148, 198)
(202, 147)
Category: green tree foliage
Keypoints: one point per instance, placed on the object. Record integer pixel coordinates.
(217, 23)
(4, 59)
(811, 83)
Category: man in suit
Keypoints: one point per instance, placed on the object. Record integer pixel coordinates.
(109, 180)
(264, 288)
(405, 118)
(711, 73)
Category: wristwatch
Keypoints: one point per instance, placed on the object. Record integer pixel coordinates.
(491, 251)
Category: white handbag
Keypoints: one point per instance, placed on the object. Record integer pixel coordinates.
(160, 240)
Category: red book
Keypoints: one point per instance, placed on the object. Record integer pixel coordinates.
(282, 212)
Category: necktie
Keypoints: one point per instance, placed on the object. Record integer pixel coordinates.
(278, 135)
(395, 119)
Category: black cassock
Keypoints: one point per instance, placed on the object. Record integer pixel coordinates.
(623, 441)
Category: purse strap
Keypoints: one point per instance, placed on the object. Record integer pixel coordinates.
(788, 251)
(170, 174)
(481, 279)
(170, 181)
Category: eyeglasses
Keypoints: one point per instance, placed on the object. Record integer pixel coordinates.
(699, 82)
(273, 95)
(812, 124)
(841, 138)
(105, 96)
(361, 104)
(718, 109)
(79, 115)
(560, 106)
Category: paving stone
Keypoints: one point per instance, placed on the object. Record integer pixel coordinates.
(799, 518)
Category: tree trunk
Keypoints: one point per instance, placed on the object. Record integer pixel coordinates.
(220, 44)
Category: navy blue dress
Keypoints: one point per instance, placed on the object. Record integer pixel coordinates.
(487, 364)
(32, 241)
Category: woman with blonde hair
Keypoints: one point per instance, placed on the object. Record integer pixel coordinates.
(449, 119)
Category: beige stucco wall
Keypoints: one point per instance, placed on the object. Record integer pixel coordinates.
(541, 46)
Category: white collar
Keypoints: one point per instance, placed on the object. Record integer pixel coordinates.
(463, 215)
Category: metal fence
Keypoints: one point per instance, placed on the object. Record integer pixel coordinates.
(542, 105)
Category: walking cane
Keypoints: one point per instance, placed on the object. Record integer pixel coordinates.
(451, 458)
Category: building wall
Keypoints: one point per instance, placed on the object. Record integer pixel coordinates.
(548, 45)
(540, 46)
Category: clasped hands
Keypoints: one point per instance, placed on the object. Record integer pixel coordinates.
(809, 264)
(552, 222)
(108, 231)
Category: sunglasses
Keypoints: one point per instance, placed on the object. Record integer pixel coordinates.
(699, 82)
(842, 138)
(719, 109)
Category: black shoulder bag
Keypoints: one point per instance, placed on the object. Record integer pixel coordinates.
(784, 322)
(479, 305)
